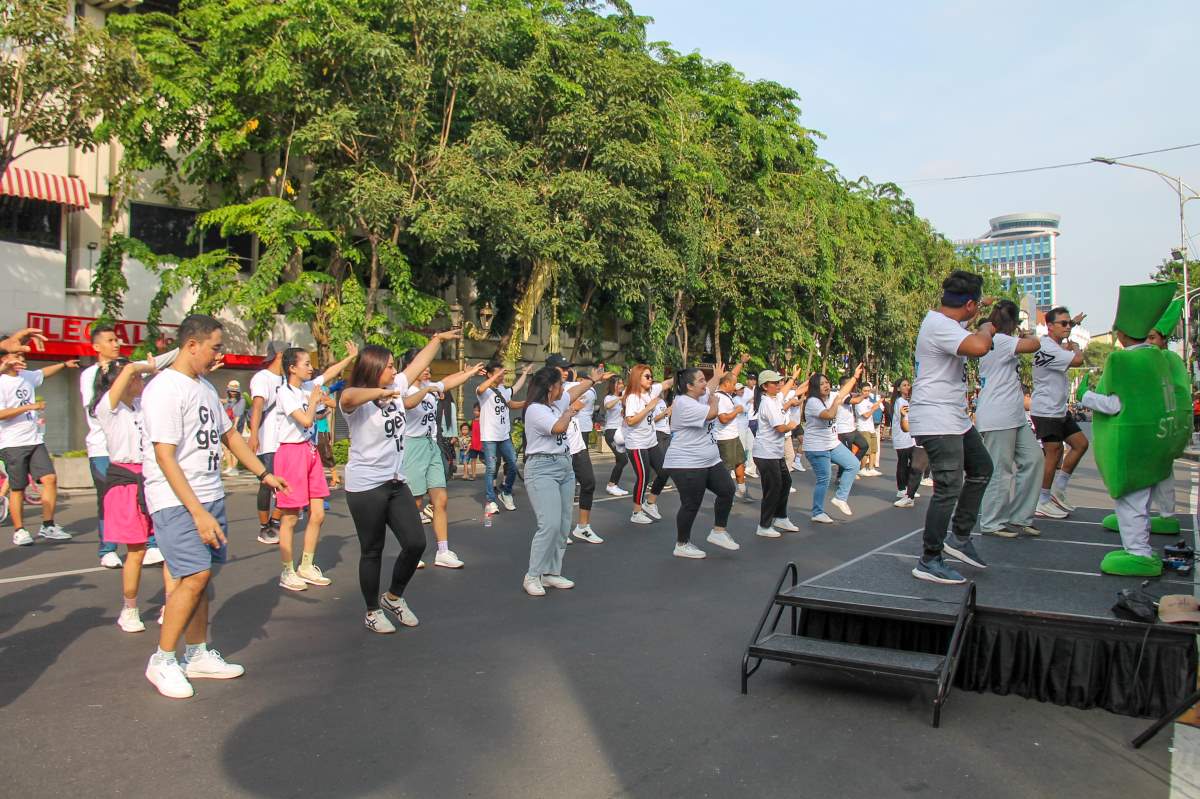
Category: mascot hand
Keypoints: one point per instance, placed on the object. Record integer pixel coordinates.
(1085, 385)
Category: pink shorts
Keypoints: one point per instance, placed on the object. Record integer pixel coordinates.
(124, 521)
(300, 466)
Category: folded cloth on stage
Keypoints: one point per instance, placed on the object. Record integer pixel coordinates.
(1177, 608)
(1135, 604)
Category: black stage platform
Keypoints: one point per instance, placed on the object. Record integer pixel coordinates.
(1043, 630)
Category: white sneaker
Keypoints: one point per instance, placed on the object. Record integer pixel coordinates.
(639, 517)
(767, 532)
(153, 557)
(651, 510)
(111, 560)
(616, 490)
(162, 612)
(211, 666)
(1050, 511)
(740, 491)
(689, 550)
(230, 472)
(904, 502)
(22, 538)
(901, 493)
(420, 564)
(841, 505)
(507, 501)
(427, 514)
(312, 575)
(447, 560)
(792, 490)
(403, 613)
(556, 581)
(291, 581)
(798, 464)
(377, 622)
(533, 586)
(491, 508)
(168, 677)
(927, 482)
(823, 518)
(587, 534)
(786, 525)
(130, 621)
(1059, 498)
(752, 472)
(570, 540)
(722, 539)
(53, 532)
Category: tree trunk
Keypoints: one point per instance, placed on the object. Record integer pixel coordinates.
(373, 280)
(509, 348)
(716, 334)
(583, 309)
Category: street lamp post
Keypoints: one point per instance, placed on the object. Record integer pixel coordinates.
(470, 331)
(1178, 186)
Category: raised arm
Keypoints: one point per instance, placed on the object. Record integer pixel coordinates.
(119, 385)
(413, 398)
(353, 398)
(305, 418)
(458, 378)
(1028, 344)
(55, 368)
(517, 386)
(331, 374)
(978, 343)
(427, 354)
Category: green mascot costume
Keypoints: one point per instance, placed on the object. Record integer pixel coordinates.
(1142, 422)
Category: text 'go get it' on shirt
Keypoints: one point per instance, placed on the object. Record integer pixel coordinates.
(494, 421)
(376, 441)
(184, 411)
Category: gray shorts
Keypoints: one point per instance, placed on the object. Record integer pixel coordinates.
(180, 543)
(22, 463)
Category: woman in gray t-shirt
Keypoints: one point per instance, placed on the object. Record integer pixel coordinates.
(694, 462)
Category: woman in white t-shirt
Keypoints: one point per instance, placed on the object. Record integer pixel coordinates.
(910, 459)
(641, 441)
(1011, 496)
(116, 406)
(549, 478)
(695, 462)
(774, 423)
(613, 415)
(376, 493)
(822, 447)
(299, 402)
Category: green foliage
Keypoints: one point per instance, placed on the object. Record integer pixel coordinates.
(341, 451)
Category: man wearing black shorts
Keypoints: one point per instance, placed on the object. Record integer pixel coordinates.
(1048, 409)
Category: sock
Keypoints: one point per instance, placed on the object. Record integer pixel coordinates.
(195, 650)
(129, 602)
(288, 567)
(1060, 481)
(1045, 497)
(443, 546)
(306, 559)
(275, 523)
(164, 655)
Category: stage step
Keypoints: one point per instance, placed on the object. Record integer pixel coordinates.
(851, 657)
(884, 606)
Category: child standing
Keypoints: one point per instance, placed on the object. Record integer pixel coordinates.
(476, 452)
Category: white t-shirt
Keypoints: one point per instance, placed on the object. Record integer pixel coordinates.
(23, 429)
(288, 400)
(94, 441)
(186, 412)
(1001, 403)
(844, 423)
(266, 384)
(900, 439)
(692, 443)
(768, 442)
(819, 435)
(612, 412)
(641, 437)
(574, 430)
(796, 412)
(748, 401)
(376, 441)
(124, 430)
(939, 391)
(865, 424)
(725, 432)
(539, 419)
(1050, 384)
(420, 421)
(661, 425)
(745, 398)
(494, 422)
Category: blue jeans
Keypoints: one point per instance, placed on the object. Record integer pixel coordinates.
(99, 469)
(490, 451)
(822, 463)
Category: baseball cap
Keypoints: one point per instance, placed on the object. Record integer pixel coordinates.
(275, 347)
(769, 376)
(1176, 608)
(234, 384)
(559, 361)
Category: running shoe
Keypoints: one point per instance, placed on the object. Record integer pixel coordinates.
(110, 560)
(210, 665)
(1049, 510)
(22, 538)
(3, 508)
(427, 514)
(904, 502)
(792, 490)
(268, 534)
(786, 525)
(291, 581)
(556, 581)
(841, 505)
(447, 560)
(312, 575)
(1059, 498)
(507, 501)
(491, 508)
(399, 607)
(154, 556)
(615, 490)
(722, 539)
(651, 510)
(935, 570)
(377, 622)
(928, 483)
(823, 518)
(901, 493)
(740, 492)
(798, 463)
(964, 551)
(1023, 529)
(130, 621)
(587, 534)
(767, 532)
(53, 532)
(639, 517)
(533, 586)
(1001, 532)
(166, 675)
(689, 550)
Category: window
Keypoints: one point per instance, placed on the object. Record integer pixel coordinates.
(35, 222)
(167, 231)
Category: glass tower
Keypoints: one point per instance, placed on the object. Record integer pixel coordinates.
(1021, 248)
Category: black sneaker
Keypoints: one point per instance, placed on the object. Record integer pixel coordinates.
(965, 552)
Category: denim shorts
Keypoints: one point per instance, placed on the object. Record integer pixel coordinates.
(180, 543)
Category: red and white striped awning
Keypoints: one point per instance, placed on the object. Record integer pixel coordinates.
(32, 185)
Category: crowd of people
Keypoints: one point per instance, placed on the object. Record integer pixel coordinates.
(159, 438)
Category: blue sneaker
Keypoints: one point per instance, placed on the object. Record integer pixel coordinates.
(326, 504)
(935, 570)
(965, 552)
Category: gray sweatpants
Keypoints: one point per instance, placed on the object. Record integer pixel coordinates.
(1012, 494)
(550, 486)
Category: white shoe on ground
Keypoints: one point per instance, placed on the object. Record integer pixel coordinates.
(841, 505)
(587, 534)
(556, 581)
(377, 622)
(651, 510)
(427, 514)
(1059, 498)
(447, 560)
(22, 538)
(130, 621)
(291, 581)
(153, 557)
(823, 518)
(491, 507)
(689, 550)
(210, 665)
(901, 493)
(168, 677)
(786, 525)
(111, 560)
(767, 532)
(507, 501)
(616, 490)
(927, 482)
(792, 490)
(53, 532)
(312, 575)
(1050, 511)
(533, 586)
(723, 539)
(904, 502)
(401, 609)
(639, 517)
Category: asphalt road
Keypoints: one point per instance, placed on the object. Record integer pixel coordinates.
(625, 686)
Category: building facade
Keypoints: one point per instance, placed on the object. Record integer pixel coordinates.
(1022, 248)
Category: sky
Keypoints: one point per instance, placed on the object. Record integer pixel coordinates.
(916, 90)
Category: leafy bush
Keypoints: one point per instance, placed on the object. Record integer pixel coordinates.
(341, 451)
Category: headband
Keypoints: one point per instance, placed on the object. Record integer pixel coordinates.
(954, 296)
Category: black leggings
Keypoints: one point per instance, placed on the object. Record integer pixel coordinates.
(858, 445)
(911, 463)
(581, 462)
(776, 485)
(691, 484)
(388, 505)
(265, 492)
(642, 459)
(619, 457)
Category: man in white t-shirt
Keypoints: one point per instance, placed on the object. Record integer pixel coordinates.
(264, 432)
(938, 420)
(186, 425)
(1048, 409)
(495, 433)
(748, 422)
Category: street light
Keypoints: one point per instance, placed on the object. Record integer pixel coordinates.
(1177, 185)
(486, 315)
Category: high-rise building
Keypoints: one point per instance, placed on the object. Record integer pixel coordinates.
(1021, 247)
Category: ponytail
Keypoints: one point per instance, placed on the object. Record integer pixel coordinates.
(758, 392)
(105, 377)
